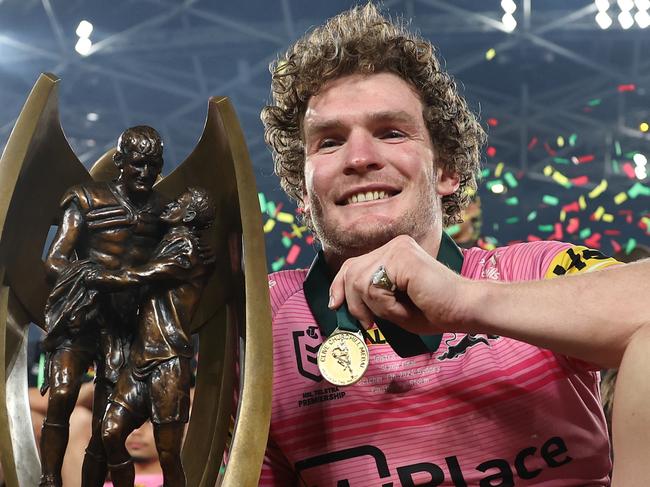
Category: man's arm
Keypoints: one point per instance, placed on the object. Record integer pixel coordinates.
(591, 317)
(65, 240)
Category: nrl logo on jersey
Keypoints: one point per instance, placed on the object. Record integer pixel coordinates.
(306, 344)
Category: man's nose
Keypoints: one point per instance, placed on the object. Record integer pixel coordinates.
(362, 153)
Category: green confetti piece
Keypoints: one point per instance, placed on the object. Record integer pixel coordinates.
(531, 216)
(278, 264)
(561, 160)
(511, 179)
(452, 230)
(491, 240)
(631, 245)
(270, 209)
(594, 103)
(550, 200)
(584, 233)
(262, 199)
(545, 228)
(573, 138)
(495, 227)
(286, 241)
(512, 201)
(41, 371)
(616, 167)
(617, 148)
(485, 173)
(512, 219)
(630, 155)
(638, 189)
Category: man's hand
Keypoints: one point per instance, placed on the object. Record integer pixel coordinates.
(428, 297)
(98, 278)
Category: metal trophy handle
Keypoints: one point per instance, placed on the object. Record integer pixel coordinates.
(233, 319)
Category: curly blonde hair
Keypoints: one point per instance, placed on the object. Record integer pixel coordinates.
(363, 41)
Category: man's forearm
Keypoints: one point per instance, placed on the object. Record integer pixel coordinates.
(590, 316)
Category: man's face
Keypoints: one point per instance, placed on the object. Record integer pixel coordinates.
(139, 172)
(370, 173)
(177, 211)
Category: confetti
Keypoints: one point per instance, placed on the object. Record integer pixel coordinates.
(269, 225)
(573, 226)
(620, 198)
(550, 200)
(284, 217)
(262, 199)
(293, 254)
(499, 170)
(598, 190)
(511, 180)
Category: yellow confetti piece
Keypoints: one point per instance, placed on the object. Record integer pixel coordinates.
(296, 230)
(598, 190)
(548, 170)
(560, 178)
(608, 217)
(560, 141)
(600, 211)
(620, 198)
(268, 226)
(499, 170)
(582, 202)
(284, 217)
(490, 53)
(562, 215)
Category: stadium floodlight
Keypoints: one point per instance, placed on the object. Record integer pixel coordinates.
(602, 5)
(509, 22)
(625, 19)
(83, 46)
(84, 29)
(625, 5)
(508, 6)
(642, 18)
(603, 20)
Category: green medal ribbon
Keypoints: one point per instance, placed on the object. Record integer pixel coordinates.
(404, 343)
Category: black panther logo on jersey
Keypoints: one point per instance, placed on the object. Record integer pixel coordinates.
(464, 344)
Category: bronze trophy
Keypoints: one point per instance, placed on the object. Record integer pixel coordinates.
(137, 265)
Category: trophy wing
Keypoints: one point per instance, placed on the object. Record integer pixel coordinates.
(234, 309)
(36, 167)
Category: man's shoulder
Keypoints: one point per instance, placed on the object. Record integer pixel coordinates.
(518, 261)
(285, 284)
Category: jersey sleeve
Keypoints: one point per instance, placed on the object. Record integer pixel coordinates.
(576, 259)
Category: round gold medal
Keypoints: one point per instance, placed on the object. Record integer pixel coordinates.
(343, 358)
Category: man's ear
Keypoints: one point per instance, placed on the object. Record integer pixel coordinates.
(304, 205)
(189, 216)
(447, 182)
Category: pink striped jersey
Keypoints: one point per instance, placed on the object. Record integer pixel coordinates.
(482, 410)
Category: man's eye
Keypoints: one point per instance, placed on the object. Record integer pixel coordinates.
(392, 134)
(327, 143)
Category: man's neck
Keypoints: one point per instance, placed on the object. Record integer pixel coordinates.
(429, 242)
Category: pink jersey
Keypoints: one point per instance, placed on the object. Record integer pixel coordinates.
(481, 411)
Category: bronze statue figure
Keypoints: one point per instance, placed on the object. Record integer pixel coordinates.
(156, 383)
(108, 225)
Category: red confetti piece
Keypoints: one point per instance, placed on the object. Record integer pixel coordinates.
(558, 233)
(629, 170)
(287, 234)
(593, 241)
(309, 239)
(277, 209)
(583, 159)
(294, 251)
(571, 207)
(533, 238)
(644, 226)
(616, 246)
(532, 143)
(628, 87)
(573, 226)
(492, 122)
(611, 232)
(549, 150)
(491, 151)
(579, 181)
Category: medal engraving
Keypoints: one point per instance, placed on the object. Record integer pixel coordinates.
(343, 358)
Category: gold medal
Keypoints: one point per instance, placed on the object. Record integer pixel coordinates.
(343, 358)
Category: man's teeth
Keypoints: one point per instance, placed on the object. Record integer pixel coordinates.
(369, 196)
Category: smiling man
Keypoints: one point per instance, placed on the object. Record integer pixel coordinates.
(469, 381)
